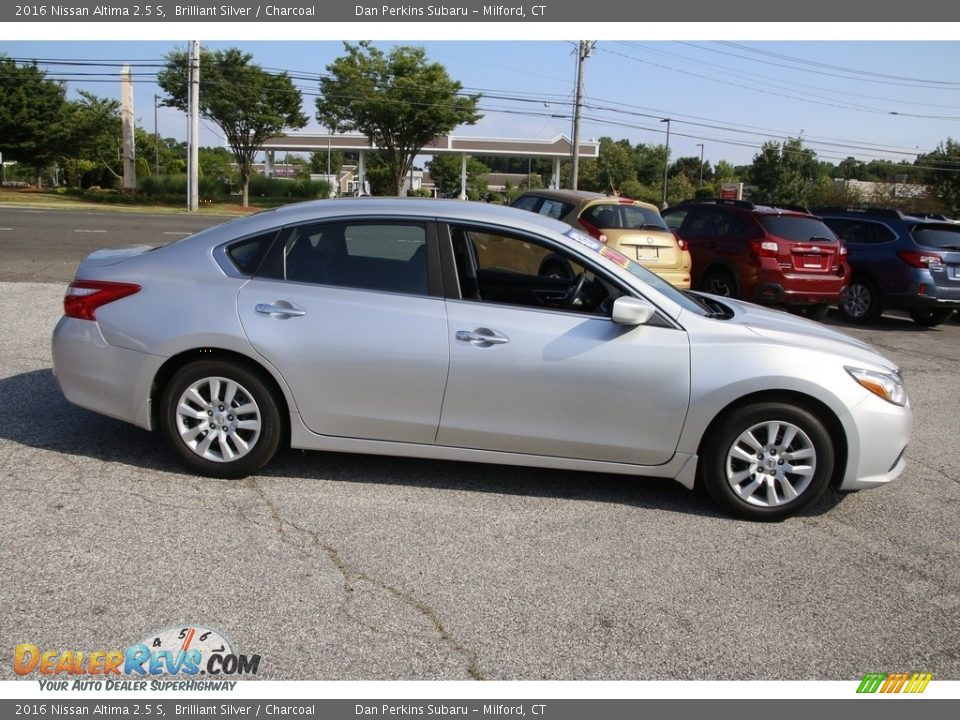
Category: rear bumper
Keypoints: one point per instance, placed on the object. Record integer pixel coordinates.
(680, 279)
(773, 293)
(101, 377)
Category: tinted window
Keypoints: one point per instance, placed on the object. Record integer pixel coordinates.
(797, 227)
(375, 256)
(711, 222)
(527, 202)
(860, 232)
(609, 216)
(674, 219)
(248, 254)
(944, 237)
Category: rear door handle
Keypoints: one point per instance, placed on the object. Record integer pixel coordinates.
(482, 337)
(280, 309)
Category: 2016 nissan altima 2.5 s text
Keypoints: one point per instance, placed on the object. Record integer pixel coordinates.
(425, 329)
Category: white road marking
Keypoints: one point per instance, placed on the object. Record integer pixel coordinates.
(178, 233)
(6, 228)
(89, 231)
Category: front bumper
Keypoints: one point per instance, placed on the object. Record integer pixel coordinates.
(877, 434)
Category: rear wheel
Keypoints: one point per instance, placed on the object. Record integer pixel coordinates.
(719, 282)
(861, 301)
(930, 317)
(767, 461)
(220, 418)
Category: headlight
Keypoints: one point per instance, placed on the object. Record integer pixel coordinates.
(889, 386)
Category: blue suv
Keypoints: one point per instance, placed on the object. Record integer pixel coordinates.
(899, 262)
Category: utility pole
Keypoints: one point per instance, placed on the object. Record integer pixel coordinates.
(666, 162)
(156, 131)
(127, 120)
(193, 161)
(700, 181)
(583, 52)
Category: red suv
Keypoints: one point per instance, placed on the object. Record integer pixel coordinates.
(769, 255)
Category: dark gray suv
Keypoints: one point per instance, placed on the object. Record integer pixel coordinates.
(899, 262)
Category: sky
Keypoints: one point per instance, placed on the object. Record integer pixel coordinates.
(863, 98)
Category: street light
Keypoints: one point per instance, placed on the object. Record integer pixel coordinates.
(700, 181)
(666, 162)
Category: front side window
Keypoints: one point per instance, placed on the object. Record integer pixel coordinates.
(493, 266)
(389, 256)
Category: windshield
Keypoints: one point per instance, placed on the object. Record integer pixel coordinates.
(617, 216)
(799, 228)
(687, 302)
(942, 237)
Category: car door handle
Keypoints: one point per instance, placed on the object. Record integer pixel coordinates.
(482, 337)
(281, 309)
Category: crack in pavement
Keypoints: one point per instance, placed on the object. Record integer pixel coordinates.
(351, 578)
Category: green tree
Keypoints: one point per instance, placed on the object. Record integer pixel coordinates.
(94, 133)
(616, 164)
(784, 173)
(944, 179)
(400, 101)
(445, 173)
(247, 103)
(31, 115)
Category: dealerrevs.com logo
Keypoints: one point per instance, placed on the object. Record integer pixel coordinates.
(899, 682)
(185, 651)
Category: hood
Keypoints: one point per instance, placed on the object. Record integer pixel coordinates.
(786, 329)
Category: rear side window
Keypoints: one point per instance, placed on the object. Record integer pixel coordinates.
(798, 228)
(860, 232)
(554, 209)
(527, 202)
(712, 223)
(942, 237)
(249, 253)
(391, 257)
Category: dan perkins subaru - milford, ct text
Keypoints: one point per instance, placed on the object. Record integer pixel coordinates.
(400, 11)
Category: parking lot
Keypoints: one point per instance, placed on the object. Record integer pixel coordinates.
(359, 567)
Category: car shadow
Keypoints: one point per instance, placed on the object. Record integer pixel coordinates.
(38, 416)
(890, 320)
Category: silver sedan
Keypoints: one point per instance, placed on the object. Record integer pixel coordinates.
(429, 329)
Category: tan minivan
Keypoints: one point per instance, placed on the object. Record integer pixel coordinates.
(633, 227)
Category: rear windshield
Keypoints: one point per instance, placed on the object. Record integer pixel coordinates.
(798, 228)
(610, 216)
(943, 237)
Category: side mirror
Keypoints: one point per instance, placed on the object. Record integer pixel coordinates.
(631, 311)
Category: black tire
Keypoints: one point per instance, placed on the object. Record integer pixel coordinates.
(861, 303)
(930, 317)
(719, 282)
(758, 488)
(232, 430)
(811, 312)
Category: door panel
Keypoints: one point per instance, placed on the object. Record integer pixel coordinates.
(563, 385)
(360, 364)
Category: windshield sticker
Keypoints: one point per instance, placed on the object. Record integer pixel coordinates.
(610, 254)
(584, 240)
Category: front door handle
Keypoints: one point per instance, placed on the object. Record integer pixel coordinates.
(280, 309)
(482, 337)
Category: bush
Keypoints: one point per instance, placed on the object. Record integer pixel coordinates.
(166, 186)
(276, 188)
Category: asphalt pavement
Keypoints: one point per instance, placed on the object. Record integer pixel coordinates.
(334, 566)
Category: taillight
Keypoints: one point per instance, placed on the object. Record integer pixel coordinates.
(843, 249)
(85, 296)
(602, 238)
(681, 243)
(593, 230)
(920, 259)
(765, 248)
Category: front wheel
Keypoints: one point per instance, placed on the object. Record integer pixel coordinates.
(767, 461)
(220, 419)
(930, 317)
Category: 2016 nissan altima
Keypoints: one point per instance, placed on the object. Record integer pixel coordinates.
(425, 329)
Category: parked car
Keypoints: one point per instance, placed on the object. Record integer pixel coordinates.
(633, 227)
(413, 328)
(899, 262)
(767, 255)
